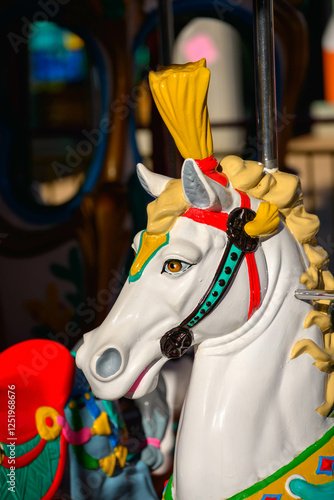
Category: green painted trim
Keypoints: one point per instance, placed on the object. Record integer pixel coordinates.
(168, 492)
(136, 276)
(274, 477)
(286, 468)
(84, 459)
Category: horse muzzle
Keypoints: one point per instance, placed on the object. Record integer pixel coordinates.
(104, 365)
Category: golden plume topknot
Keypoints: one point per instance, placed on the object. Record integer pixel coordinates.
(180, 93)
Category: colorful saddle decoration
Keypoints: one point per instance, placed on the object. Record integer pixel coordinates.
(45, 404)
(225, 249)
(35, 383)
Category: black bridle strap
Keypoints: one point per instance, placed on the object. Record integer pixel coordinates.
(176, 341)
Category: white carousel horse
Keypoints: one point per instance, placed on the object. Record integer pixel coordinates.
(250, 408)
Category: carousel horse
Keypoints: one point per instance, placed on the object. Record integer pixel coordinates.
(100, 465)
(33, 394)
(225, 248)
(46, 411)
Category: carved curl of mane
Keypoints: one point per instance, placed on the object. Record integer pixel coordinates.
(180, 93)
(284, 190)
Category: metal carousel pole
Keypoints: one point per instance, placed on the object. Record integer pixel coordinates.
(166, 41)
(265, 88)
(265, 91)
(166, 31)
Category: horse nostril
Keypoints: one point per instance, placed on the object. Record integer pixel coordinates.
(108, 363)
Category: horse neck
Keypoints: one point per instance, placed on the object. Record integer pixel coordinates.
(252, 375)
(285, 262)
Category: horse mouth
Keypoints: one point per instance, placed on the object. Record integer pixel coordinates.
(139, 379)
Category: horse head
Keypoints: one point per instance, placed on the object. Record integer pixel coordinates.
(196, 256)
(224, 250)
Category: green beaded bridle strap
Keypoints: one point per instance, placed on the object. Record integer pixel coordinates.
(176, 342)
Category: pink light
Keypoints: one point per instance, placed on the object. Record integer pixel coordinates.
(199, 46)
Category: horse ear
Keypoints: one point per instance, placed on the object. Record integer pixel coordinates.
(200, 192)
(153, 183)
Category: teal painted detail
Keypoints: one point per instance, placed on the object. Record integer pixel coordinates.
(308, 491)
(22, 449)
(113, 414)
(136, 276)
(83, 458)
(34, 480)
(218, 289)
(286, 468)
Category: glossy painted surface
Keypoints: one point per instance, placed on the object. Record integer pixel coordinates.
(100, 466)
(249, 359)
(250, 408)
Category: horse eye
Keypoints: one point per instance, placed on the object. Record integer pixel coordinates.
(174, 266)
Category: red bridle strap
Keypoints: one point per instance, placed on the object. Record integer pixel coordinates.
(254, 281)
(214, 219)
(208, 167)
(219, 220)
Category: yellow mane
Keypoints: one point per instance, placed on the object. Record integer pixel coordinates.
(180, 93)
(284, 190)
